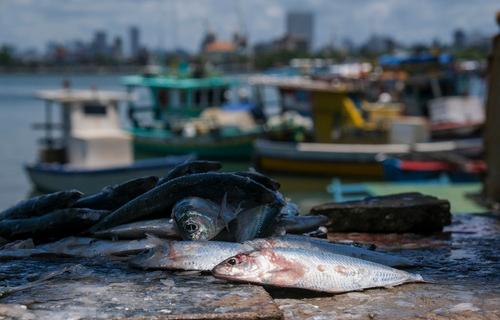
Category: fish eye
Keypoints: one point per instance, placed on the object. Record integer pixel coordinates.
(191, 227)
(232, 261)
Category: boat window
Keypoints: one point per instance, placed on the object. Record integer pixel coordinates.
(94, 109)
(163, 98)
(212, 97)
(175, 98)
(197, 94)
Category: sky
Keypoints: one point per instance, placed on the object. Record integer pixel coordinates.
(182, 23)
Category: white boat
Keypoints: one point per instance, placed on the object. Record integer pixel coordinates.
(91, 150)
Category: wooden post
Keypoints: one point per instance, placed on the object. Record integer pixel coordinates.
(492, 127)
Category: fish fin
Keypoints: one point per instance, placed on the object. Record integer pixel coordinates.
(225, 214)
(154, 239)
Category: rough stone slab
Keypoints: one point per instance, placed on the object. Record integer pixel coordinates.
(104, 290)
(405, 212)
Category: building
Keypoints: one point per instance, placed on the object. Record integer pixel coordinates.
(299, 25)
(459, 39)
(135, 45)
(100, 43)
(117, 48)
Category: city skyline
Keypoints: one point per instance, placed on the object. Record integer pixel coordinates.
(169, 24)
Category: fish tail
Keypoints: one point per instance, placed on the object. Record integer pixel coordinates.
(415, 277)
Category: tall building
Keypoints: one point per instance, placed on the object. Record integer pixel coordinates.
(459, 38)
(300, 25)
(99, 43)
(135, 45)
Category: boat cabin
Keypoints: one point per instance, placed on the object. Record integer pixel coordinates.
(172, 98)
(85, 130)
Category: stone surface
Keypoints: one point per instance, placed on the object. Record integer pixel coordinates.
(405, 212)
(462, 264)
(103, 290)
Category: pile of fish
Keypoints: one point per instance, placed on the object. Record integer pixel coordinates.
(236, 225)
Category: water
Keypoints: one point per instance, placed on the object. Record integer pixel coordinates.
(18, 141)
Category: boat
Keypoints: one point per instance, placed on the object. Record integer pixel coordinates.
(89, 150)
(345, 160)
(400, 169)
(184, 115)
(345, 142)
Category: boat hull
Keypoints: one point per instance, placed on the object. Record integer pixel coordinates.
(234, 148)
(341, 160)
(51, 178)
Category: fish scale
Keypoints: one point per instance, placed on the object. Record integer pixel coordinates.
(356, 274)
(310, 269)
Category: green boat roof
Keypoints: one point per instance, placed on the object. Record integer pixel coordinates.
(177, 83)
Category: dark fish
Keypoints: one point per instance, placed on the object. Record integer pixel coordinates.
(212, 186)
(310, 269)
(256, 222)
(19, 244)
(290, 209)
(260, 178)
(162, 228)
(59, 223)
(199, 219)
(191, 167)
(113, 197)
(41, 205)
(301, 224)
(187, 255)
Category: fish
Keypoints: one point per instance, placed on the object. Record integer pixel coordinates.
(212, 186)
(311, 270)
(187, 255)
(260, 178)
(162, 228)
(81, 247)
(41, 205)
(256, 222)
(302, 224)
(199, 219)
(315, 244)
(190, 167)
(59, 223)
(113, 197)
(290, 209)
(19, 244)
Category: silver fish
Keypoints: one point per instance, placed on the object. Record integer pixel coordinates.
(81, 247)
(200, 219)
(302, 224)
(312, 270)
(315, 244)
(187, 255)
(162, 228)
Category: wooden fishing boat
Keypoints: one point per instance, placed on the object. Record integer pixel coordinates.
(91, 150)
(345, 160)
(180, 118)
